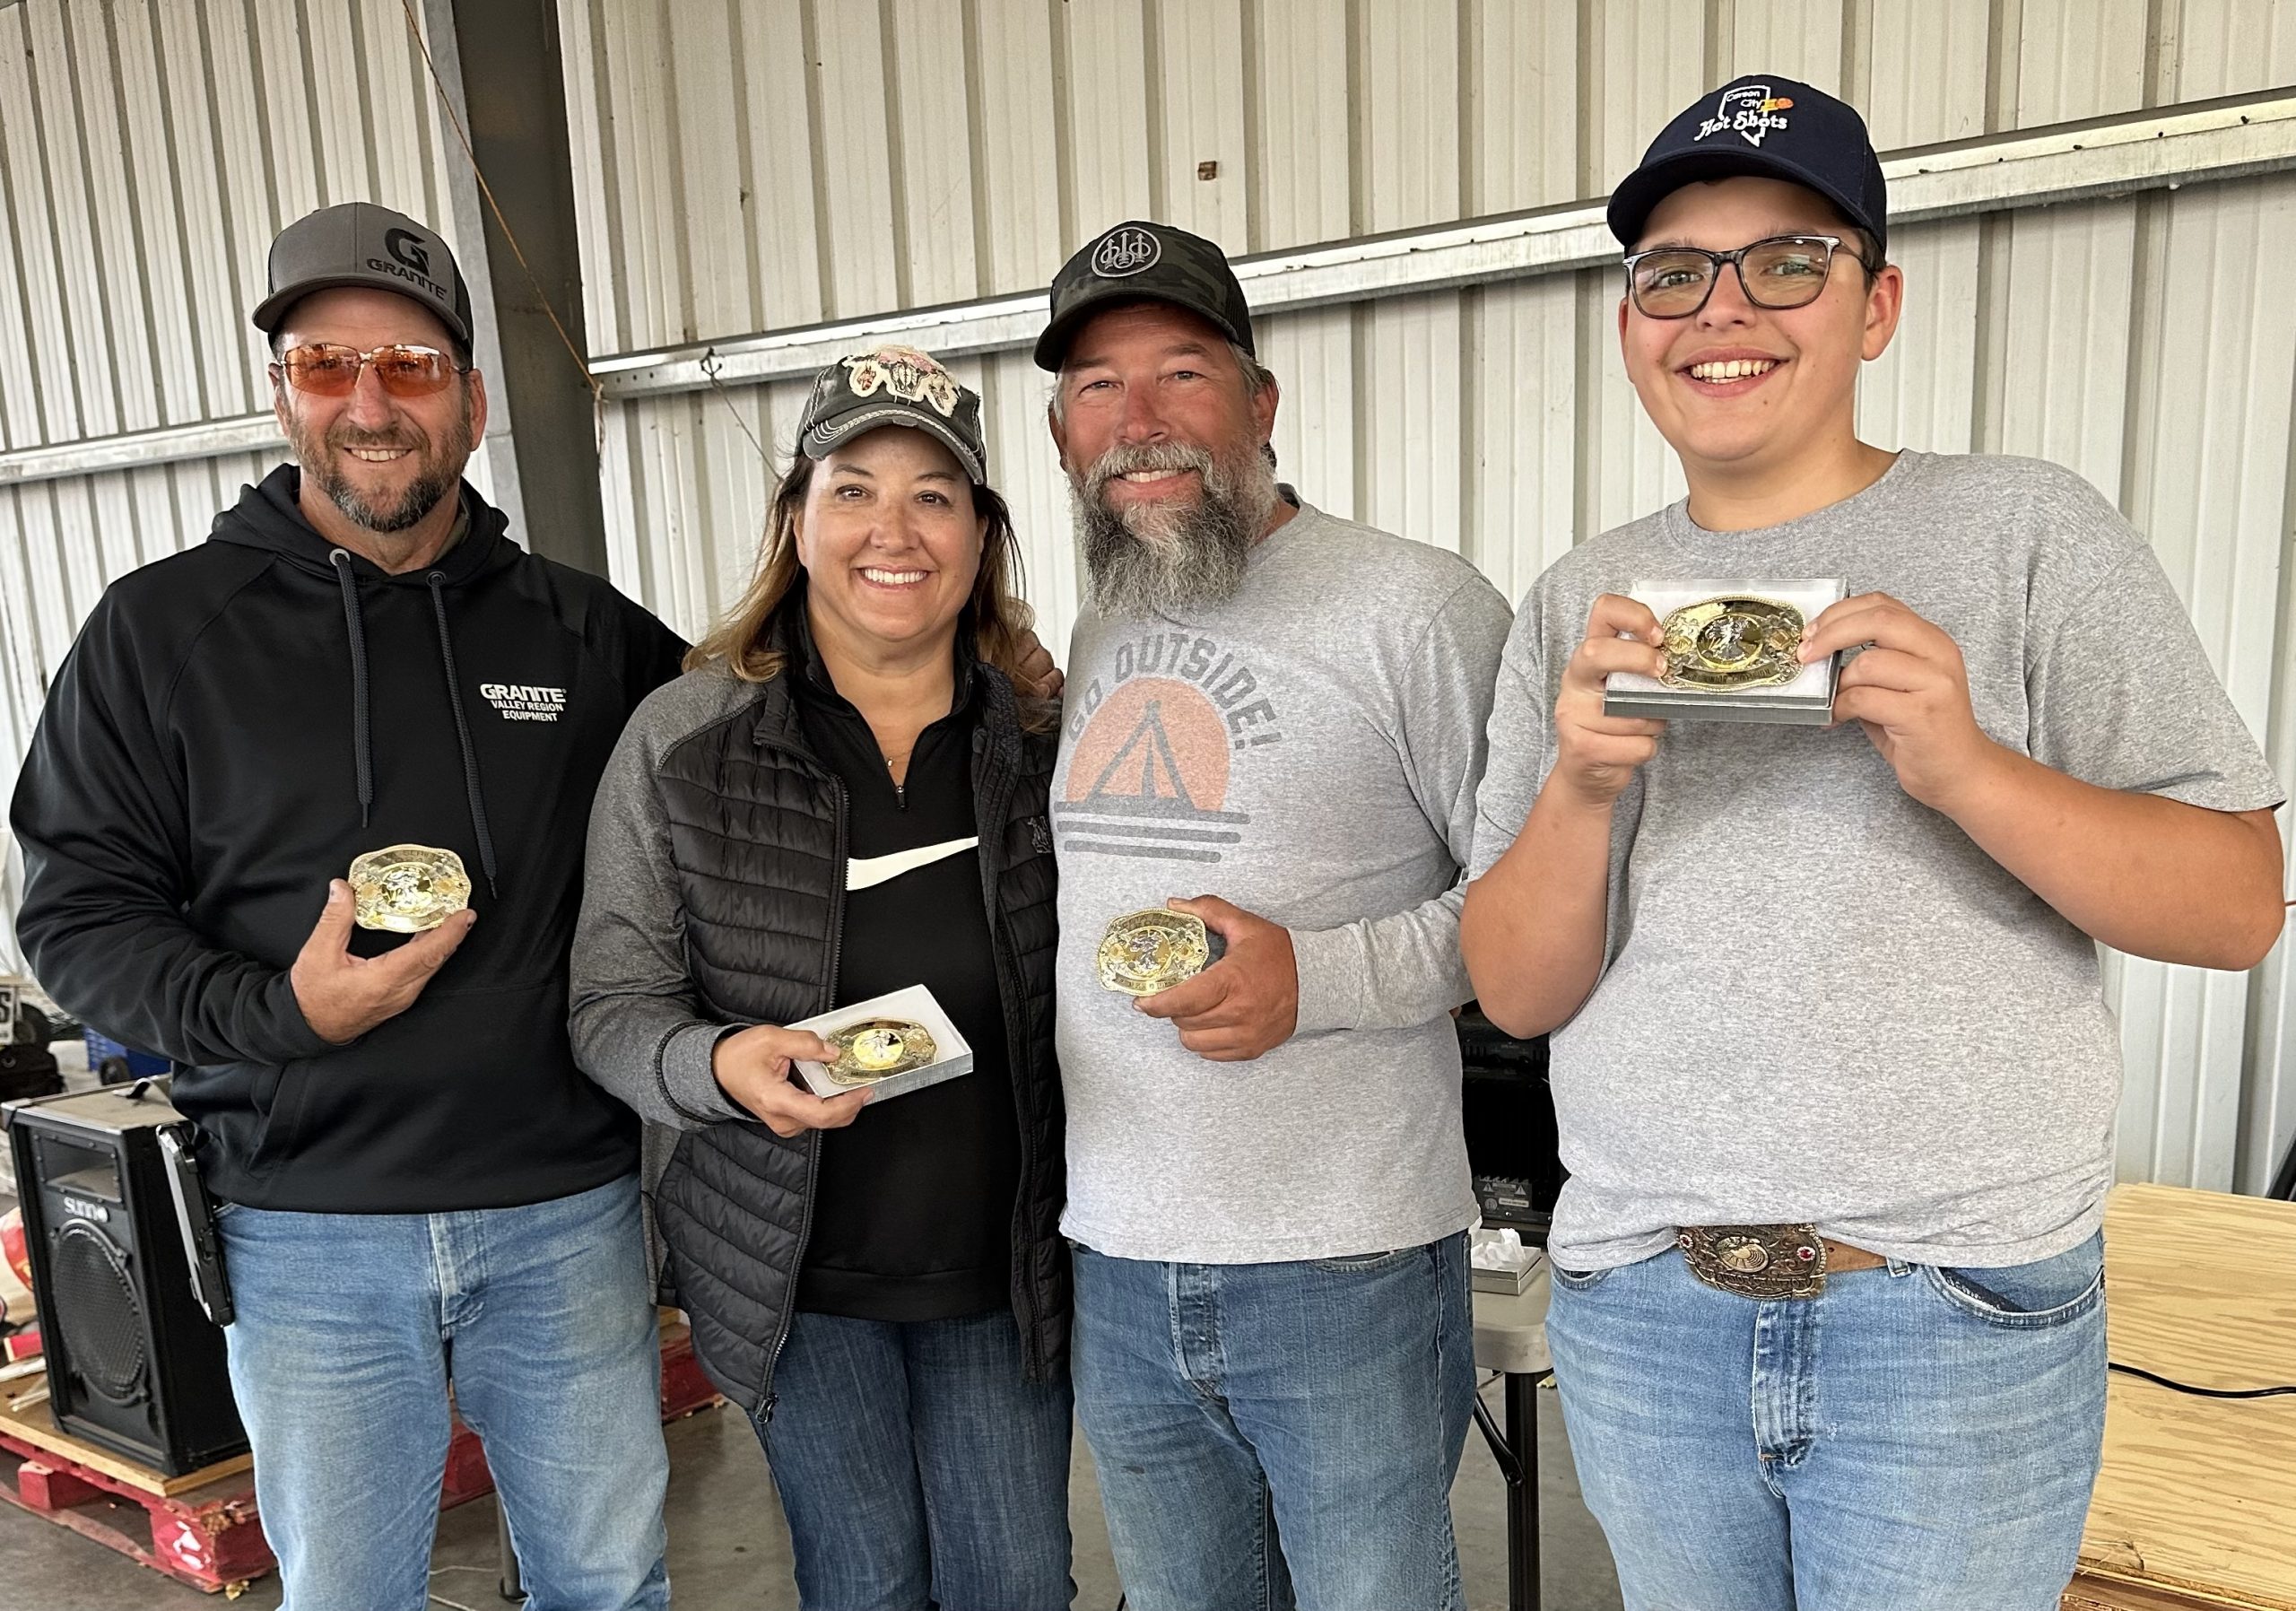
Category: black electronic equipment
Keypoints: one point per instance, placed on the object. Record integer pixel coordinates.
(27, 1068)
(202, 1248)
(132, 1364)
(1510, 1117)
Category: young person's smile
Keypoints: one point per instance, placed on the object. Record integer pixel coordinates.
(1730, 371)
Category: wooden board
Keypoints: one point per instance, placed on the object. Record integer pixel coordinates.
(2196, 1504)
(25, 1413)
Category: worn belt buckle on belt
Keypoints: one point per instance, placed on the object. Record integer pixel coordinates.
(1756, 1261)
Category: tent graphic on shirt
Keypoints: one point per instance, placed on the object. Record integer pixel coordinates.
(1149, 777)
(1149, 751)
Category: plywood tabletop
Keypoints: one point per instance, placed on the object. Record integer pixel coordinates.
(2196, 1504)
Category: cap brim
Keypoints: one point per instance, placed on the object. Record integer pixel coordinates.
(272, 311)
(1052, 347)
(1639, 194)
(821, 439)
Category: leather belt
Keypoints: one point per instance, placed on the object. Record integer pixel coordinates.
(1768, 1261)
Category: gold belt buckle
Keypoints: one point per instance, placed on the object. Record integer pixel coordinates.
(877, 1049)
(1756, 1261)
(406, 889)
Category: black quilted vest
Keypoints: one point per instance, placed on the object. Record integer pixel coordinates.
(757, 834)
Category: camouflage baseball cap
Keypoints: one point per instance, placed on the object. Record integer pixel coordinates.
(360, 243)
(894, 385)
(1138, 262)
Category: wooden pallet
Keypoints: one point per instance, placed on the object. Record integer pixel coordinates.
(202, 1527)
(199, 1529)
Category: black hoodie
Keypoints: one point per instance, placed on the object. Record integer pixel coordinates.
(234, 724)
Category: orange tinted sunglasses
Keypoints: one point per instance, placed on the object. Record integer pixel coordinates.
(325, 370)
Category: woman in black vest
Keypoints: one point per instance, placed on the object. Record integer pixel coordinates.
(843, 797)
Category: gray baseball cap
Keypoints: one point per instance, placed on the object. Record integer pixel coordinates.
(894, 385)
(360, 243)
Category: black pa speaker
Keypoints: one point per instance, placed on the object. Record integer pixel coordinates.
(132, 1362)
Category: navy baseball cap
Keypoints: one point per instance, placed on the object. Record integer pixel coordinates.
(1137, 262)
(1768, 126)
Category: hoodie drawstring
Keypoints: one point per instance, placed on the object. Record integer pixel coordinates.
(437, 579)
(362, 740)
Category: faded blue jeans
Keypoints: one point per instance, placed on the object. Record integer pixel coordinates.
(1272, 1435)
(350, 1327)
(917, 1468)
(1915, 1438)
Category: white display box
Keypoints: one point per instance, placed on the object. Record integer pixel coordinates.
(1807, 699)
(915, 1004)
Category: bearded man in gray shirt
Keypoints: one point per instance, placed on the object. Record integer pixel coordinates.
(1267, 1182)
(1834, 1072)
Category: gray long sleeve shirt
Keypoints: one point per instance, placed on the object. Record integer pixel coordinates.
(638, 1027)
(1309, 751)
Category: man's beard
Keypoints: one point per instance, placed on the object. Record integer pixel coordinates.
(1148, 559)
(437, 473)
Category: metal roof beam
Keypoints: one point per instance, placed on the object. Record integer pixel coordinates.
(135, 449)
(2197, 142)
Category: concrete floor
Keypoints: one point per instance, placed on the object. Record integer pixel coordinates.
(730, 1552)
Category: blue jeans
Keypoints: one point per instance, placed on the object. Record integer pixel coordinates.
(1322, 1403)
(350, 1327)
(1917, 1438)
(917, 1468)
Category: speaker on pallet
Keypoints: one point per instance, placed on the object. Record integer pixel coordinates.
(132, 1364)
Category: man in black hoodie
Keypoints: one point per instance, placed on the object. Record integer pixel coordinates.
(417, 1183)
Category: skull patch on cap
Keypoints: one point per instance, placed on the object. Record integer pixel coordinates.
(906, 373)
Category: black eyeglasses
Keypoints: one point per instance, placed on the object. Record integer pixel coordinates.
(1784, 271)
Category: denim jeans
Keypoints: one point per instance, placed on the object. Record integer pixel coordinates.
(1271, 1435)
(349, 1328)
(917, 1468)
(1913, 1437)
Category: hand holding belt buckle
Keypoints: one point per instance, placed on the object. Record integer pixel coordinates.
(1756, 1261)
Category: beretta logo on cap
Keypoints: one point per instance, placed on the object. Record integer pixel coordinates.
(1126, 251)
(1749, 110)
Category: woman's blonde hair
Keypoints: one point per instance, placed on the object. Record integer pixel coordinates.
(998, 614)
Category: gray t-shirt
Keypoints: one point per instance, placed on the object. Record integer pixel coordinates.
(1307, 750)
(1819, 1000)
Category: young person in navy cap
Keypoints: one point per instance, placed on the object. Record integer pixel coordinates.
(1834, 1069)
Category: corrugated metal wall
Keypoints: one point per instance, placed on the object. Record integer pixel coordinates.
(148, 153)
(745, 165)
